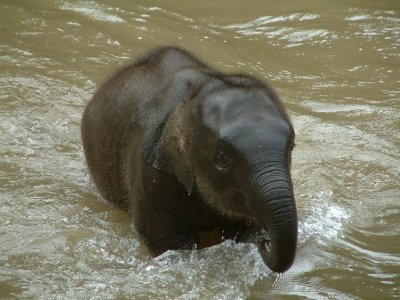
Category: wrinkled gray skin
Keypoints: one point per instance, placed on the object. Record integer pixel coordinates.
(188, 149)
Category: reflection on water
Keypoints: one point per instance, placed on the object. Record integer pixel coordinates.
(336, 66)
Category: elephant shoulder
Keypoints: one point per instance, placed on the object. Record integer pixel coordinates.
(173, 58)
(241, 81)
(165, 61)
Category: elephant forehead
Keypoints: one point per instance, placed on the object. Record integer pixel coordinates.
(237, 106)
(256, 131)
(236, 101)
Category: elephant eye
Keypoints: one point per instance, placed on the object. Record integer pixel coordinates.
(221, 160)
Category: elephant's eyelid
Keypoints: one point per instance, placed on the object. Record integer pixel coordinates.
(222, 159)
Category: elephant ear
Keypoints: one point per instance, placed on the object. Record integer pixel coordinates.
(166, 151)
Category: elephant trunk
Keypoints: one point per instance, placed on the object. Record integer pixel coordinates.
(277, 214)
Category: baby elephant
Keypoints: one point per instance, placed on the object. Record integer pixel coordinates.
(190, 150)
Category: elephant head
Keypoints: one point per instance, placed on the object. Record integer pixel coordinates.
(233, 140)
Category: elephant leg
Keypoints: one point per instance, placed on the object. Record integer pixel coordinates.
(157, 213)
(161, 232)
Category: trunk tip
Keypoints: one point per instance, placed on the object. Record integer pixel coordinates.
(270, 257)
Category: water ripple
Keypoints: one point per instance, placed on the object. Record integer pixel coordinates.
(270, 27)
(93, 11)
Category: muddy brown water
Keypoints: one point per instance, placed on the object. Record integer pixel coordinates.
(336, 67)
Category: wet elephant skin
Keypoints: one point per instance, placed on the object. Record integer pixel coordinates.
(188, 149)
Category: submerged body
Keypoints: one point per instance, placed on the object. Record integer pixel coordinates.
(191, 150)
